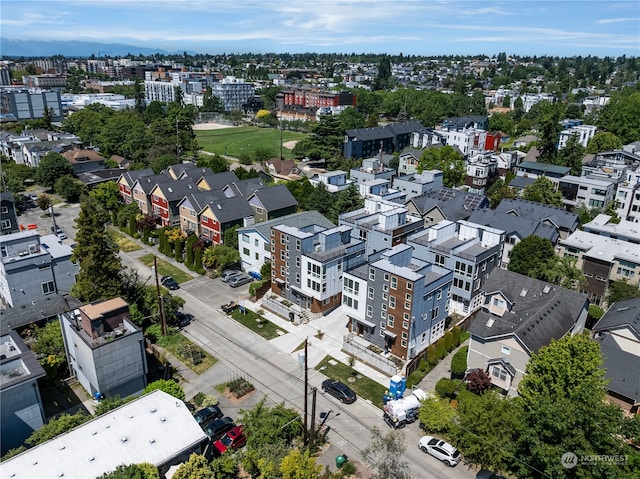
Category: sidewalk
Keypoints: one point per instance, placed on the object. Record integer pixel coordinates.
(441, 370)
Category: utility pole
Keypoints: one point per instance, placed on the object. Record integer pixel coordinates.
(306, 391)
(177, 140)
(163, 324)
(312, 432)
(280, 123)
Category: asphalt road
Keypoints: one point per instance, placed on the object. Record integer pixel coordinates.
(273, 372)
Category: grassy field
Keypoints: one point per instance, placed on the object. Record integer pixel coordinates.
(186, 352)
(363, 386)
(256, 323)
(245, 139)
(166, 269)
(124, 242)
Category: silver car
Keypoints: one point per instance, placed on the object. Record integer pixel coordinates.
(228, 274)
(239, 280)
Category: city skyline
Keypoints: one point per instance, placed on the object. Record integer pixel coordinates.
(412, 27)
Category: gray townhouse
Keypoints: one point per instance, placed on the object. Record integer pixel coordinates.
(416, 184)
(564, 221)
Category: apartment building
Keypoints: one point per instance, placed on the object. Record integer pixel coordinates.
(333, 180)
(416, 184)
(397, 302)
(583, 133)
(30, 103)
(602, 259)
(233, 92)
(628, 196)
(372, 169)
(482, 172)
(307, 266)
(381, 224)
(623, 230)
(586, 191)
(126, 181)
(470, 250)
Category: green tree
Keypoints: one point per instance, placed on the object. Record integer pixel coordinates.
(49, 345)
(385, 455)
(268, 426)
(51, 167)
(57, 426)
(459, 363)
(562, 405)
(300, 465)
(109, 404)
(44, 202)
(68, 188)
(220, 256)
(216, 162)
(197, 467)
(572, 155)
(351, 119)
(620, 290)
(230, 237)
(436, 415)
(620, 116)
(384, 77)
(528, 255)
(107, 195)
(211, 102)
(499, 191)
(447, 160)
(168, 386)
(485, 424)
(603, 141)
(543, 190)
(550, 128)
(133, 471)
(100, 273)
(224, 467)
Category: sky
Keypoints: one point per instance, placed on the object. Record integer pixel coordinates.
(411, 27)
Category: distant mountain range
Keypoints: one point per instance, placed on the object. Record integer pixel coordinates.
(72, 48)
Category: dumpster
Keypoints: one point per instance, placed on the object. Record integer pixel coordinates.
(340, 460)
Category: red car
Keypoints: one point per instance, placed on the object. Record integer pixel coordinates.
(234, 439)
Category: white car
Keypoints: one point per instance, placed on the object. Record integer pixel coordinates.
(440, 450)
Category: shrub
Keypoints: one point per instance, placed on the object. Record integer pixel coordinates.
(459, 363)
(456, 336)
(431, 355)
(478, 381)
(448, 341)
(168, 386)
(441, 351)
(446, 388)
(423, 364)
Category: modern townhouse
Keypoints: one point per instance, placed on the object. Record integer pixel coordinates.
(21, 408)
(32, 268)
(216, 181)
(243, 188)
(628, 196)
(602, 259)
(126, 181)
(381, 224)
(254, 241)
(583, 133)
(426, 138)
(564, 221)
(586, 191)
(416, 184)
(190, 170)
(333, 180)
(445, 204)
(219, 215)
(272, 202)
(618, 335)
(516, 229)
(369, 142)
(476, 122)
(397, 302)
(604, 226)
(191, 206)
(467, 140)
(142, 187)
(307, 266)
(482, 172)
(165, 198)
(372, 169)
(519, 316)
(470, 250)
(534, 169)
(105, 349)
(408, 161)
(507, 161)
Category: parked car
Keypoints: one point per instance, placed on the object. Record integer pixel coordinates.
(183, 319)
(62, 235)
(228, 274)
(218, 428)
(440, 450)
(169, 283)
(339, 390)
(239, 280)
(234, 439)
(485, 474)
(208, 414)
(230, 306)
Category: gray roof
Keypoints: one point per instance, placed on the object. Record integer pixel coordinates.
(217, 181)
(544, 167)
(535, 317)
(387, 131)
(178, 189)
(230, 210)
(521, 182)
(454, 204)
(32, 369)
(512, 224)
(147, 183)
(133, 175)
(300, 221)
(563, 219)
(414, 152)
(246, 188)
(621, 368)
(200, 199)
(275, 198)
(7, 196)
(620, 314)
(45, 308)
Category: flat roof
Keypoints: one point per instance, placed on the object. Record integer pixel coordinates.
(603, 248)
(99, 309)
(154, 428)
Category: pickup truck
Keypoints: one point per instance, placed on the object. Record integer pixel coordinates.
(230, 306)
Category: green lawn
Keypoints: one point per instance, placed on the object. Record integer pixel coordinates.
(245, 139)
(124, 242)
(256, 323)
(166, 269)
(363, 386)
(190, 354)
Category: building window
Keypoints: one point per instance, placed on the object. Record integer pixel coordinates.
(408, 297)
(404, 335)
(407, 305)
(48, 288)
(383, 325)
(409, 285)
(434, 313)
(370, 292)
(369, 311)
(499, 373)
(245, 238)
(372, 274)
(506, 350)
(392, 302)
(386, 276)
(440, 259)
(6, 224)
(394, 282)
(403, 343)
(245, 251)
(405, 324)
(385, 287)
(390, 320)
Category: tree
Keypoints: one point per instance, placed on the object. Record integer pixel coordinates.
(528, 255)
(197, 467)
(51, 167)
(603, 141)
(447, 388)
(571, 155)
(57, 426)
(300, 465)
(620, 115)
(107, 195)
(44, 202)
(550, 128)
(230, 237)
(220, 256)
(351, 119)
(100, 273)
(620, 290)
(49, 345)
(447, 160)
(68, 188)
(385, 455)
(224, 467)
(436, 415)
(144, 470)
(499, 191)
(168, 386)
(478, 381)
(562, 405)
(211, 102)
(459, 363)
(485, 424)
(543, 190)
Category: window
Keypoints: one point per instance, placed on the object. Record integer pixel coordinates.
(506, 350)
(6, 224)
(409, 286)
(499, 373)
(4, 210)
(369, 311)
(405, 324)
(370, 293)
(297, 261)
(383, 325)
(394, 282)
(245, 238)
(404, 335)
(383, 314)
(403, 343)
(386, 276)
(255, 242)
(372, 274)
(297, 245)
(385, 296)
(434, 313)
(245, 251)
(383, 306)
(47, 288)
(390, 321)
(439, 294)
(407, 305)
(385, 287)
(440, 259)
(392, 302)
(351, 286)
(408, 297)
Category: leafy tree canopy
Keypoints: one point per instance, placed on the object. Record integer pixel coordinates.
(133, 471)
(384, 455)
(168, 386)
(57, 426)
(447, 160)
(51, 167)
(543, 190)
(620, 290)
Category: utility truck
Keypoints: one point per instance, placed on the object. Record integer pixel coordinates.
(402, 411)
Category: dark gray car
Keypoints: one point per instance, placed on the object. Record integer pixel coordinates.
(239, 280)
